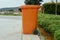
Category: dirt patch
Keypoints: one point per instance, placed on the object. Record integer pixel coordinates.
(45, 34)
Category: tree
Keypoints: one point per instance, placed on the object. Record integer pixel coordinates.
(52, 1)
(33, 2)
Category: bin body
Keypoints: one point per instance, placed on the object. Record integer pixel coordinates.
(29, 18)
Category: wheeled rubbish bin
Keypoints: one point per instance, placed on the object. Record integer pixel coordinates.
(29, 18)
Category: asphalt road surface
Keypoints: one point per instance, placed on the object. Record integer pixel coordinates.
(10, 27)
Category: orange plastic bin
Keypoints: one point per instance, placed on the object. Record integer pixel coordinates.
(29, 18)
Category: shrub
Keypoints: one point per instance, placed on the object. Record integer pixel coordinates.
(50, 8)
(52, 28)
(57, 35)
(33, 2)
(40, 22)
(51, 24)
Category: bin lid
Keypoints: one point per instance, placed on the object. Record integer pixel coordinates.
(30, 6)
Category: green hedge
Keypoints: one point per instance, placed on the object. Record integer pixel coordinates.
(50, 23)
(57, 35)
(50, 8)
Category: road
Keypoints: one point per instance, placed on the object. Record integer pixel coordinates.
(10, 27)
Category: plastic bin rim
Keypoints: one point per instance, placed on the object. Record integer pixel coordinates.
(29, 6)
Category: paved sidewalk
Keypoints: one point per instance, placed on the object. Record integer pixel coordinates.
(30, 37)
